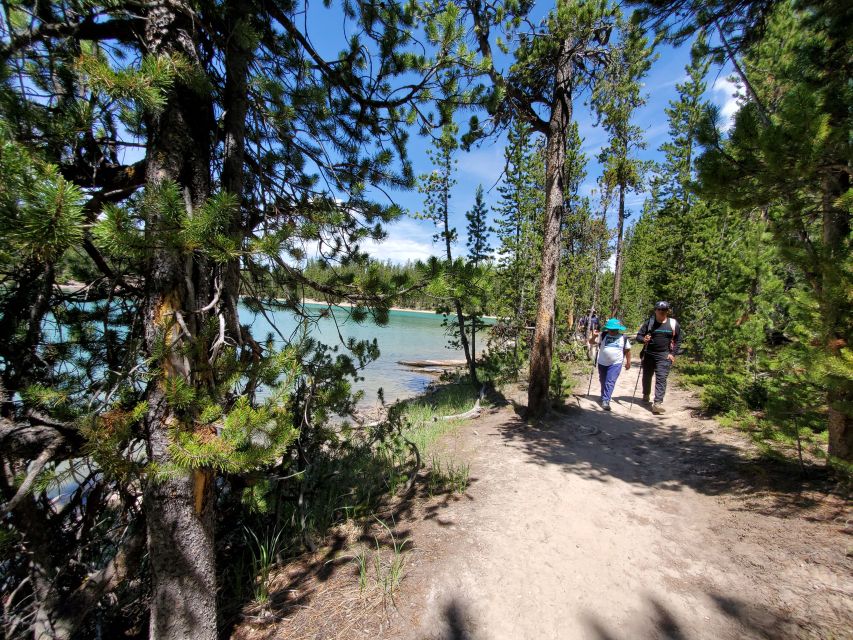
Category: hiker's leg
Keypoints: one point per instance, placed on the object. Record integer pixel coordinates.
(648, 371)
(602, 377)
(662, 367)
(610, 381)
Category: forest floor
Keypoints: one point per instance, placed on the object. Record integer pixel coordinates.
(606, 526)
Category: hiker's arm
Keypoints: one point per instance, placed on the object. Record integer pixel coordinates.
(678, 337)
(627, 358)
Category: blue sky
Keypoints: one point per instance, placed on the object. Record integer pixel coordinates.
(410, 239)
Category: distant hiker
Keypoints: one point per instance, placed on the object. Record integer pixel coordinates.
(661, 337)
(588, 321)
(614, 347)
(593, 322)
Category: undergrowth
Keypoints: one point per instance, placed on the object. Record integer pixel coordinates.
(766, 411)
(347, 476)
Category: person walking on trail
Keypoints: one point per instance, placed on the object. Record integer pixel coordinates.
(661, 337)
(613, 348)
(590, 333)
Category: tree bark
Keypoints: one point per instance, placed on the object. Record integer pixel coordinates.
(836, 314)
(460, 318)
(615, 306)
(179, 508)
(542, 351)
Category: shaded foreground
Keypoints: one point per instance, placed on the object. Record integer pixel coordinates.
(600, 526)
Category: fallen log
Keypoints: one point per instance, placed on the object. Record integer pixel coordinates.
(473, 412)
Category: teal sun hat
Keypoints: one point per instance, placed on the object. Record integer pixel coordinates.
(614, 325)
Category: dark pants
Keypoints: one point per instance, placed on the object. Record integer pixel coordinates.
(656, 364)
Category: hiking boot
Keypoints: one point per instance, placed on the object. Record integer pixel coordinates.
(647, 399)
(657, 408)
(605, 405)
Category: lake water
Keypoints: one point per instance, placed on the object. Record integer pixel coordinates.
(409, 335)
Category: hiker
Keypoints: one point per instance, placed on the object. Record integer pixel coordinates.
(661, 337)
(614, 347)
(588, 321)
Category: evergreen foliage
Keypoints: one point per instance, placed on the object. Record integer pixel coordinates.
(748, 234)
(139, 394)
(616, 98)
(518, 218)
(435, 187)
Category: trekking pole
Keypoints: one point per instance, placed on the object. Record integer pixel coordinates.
(591, 371)
(639, 373)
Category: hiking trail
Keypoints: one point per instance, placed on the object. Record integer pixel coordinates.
(616, 526)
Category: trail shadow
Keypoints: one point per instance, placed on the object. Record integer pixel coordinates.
(661, 624)
(456, 623)
(656, 620)
(662, 454)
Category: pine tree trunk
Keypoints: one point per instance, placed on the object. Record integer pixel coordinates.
(836, 314)
(542, 350)
(178, 508)
(615, 310)
(460, 319)
(236, 103)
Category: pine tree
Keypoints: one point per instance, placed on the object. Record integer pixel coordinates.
(519, 213)
(436, 187)
(477, 241)
(580, 235)
(616, 98)
(551, 65)
(144, 385)
(475, 287)
(787, 156)
(688, 224)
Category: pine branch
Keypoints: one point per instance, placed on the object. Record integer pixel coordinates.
(120, 29)
(106, 176)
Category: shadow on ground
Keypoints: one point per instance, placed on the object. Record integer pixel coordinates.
(653, 620)
(657, 621)
(660, 453)
(301, 583)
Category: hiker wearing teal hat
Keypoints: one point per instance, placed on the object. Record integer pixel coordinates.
(613, 348)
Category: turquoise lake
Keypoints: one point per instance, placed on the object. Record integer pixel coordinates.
(409, 335)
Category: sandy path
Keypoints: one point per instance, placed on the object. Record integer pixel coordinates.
(625, 525)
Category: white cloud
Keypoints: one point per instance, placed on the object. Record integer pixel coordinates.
(407, 240)
(728, 98)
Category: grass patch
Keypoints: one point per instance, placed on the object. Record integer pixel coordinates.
(347, 478)
(420, 415)
(735, 404)
(447, 476)
(387, 563)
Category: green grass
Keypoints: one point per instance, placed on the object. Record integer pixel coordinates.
(419, 414)
(774, 439)
(447, 476)
(348, 481)
(266, 550)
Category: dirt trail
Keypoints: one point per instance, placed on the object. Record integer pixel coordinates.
(625, 525)
(594, 525)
